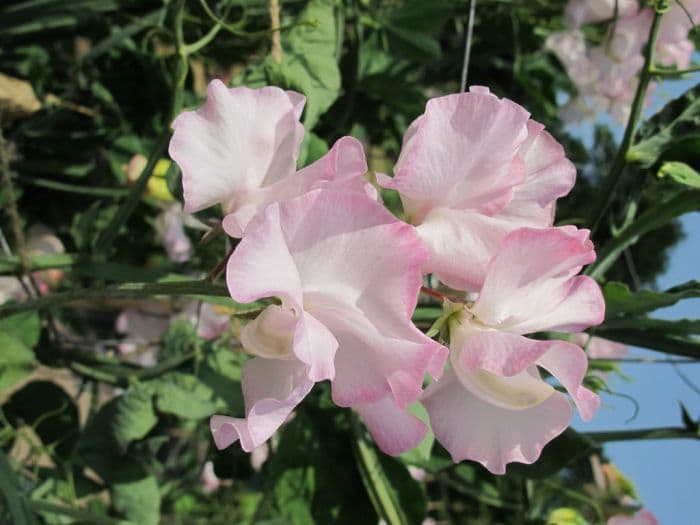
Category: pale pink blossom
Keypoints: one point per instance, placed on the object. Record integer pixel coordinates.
(473, 168)
(643, 517)
(169, 226)
(599, 348)
(579, 12)
(347, 274)
(143, 327)
(240, 150)
(492, 406)
(211, 320)
(673, 47)
(605, 76)
(259, 456)
(210, 481)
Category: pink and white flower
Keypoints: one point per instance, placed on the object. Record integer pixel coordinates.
(579, 12)
(673, 47)
(347, 274)
(240, 150)
(472, 169)
(492, 406)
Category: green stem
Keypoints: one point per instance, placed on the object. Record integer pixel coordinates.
(110, 233)
(612, 179)
(50, 508)
(644, 433)
(673, 72)
(653, 218)
(119, 290)
(73, 188)
(11, 264)
(373, 477)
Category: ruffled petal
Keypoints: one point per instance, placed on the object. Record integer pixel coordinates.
(470, 428)
(271, 334)
(568, 363)
(497, 366)
(341, 168)
(461, 153)
(315, 346)
(240, 140)
(261, 266)
(393, 429)
(530, 284)
(271, 389)
(460, 244)
(550, 175)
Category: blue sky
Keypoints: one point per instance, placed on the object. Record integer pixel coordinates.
(664, 471)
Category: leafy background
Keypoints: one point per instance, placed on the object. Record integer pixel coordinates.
(104, 441)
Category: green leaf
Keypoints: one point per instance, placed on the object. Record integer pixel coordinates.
(138, 500)
(26, 327)
(420, 455)
(558, 453)
(660, 214)
(687, 346)
(619, 299)
(186, 396)
(411, 28)
(397, 498)
(11, 500)
(179, 339)
(681, 173)
(312, 475)
(677, 121)
(50, 411)
(135, 415)
(309, 62)
(16, 360)
(221, 371)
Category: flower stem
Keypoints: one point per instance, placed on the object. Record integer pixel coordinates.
(610, 182)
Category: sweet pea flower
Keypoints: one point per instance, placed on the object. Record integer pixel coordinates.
(347, 274)
(673, 47)
(210, 481)
(579, 12)
(240, 150)
(643, 517)
(492, 406)
(599, 348)
(473, 168)
(170, 230)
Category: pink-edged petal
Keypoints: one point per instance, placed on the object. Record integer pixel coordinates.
(374, 360)
(240, 140)
(530, 284)
(461, 153)
(341, 168)
(271, 389)
(470, 428)
(315, 346)
(550, 175)
(568, 363)
(394, 429)
(261, 266)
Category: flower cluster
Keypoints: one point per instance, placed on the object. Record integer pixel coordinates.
(478, 180)
(606, 75)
